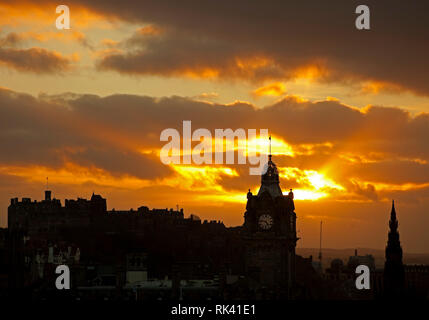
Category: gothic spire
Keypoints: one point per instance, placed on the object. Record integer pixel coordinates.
(393, 223)
(393, 212)
(393, 267)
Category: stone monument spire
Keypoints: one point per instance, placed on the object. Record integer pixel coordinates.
(393, 268)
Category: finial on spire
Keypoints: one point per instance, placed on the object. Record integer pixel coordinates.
(47, 183)
(269, 154)
(393, 212)
(393, 223)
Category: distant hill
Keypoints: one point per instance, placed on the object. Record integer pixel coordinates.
(329, 254)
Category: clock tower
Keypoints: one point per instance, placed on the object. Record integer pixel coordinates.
(269, 235)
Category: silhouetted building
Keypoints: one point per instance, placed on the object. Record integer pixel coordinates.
(356, 260)
(4, 263)
(269, 236)
(417, 281)
(112, 250)
(394, 276)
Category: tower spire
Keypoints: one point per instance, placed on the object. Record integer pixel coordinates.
(269, 154)
(393, 267)
(393, 223)
(393, 212)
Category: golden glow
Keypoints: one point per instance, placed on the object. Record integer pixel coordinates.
(204, 73)
(358, 158)
(274, 89)
(319, 181)
(329, 98)
(240, 67)
(202, 178)
(27, 13)
(257, 145)
(310, 72)
(278, 146)
(310, 149)
(375, 87)
(51, 35)
(374, 157)
(297, 98)
(252, 63)
(203, 182)
(392, 186)
(315, 184)
(220, 199)
(73, 174)
(304, 194)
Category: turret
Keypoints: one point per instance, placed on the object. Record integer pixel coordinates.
(270, 180)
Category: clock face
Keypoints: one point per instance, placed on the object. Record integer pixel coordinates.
(265, 221)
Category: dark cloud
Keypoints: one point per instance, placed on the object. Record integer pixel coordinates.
(117, 162)
(232, 38)
(35, 60)
(10, 40)
(276, 40)
(41, 132)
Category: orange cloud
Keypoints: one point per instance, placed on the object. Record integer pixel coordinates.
(51, 35)
(200, 73)
(26, 13)
(394, 186)
(194, 44)
(327, 151)
(311, 72)
(73, 174)
(201, 178)
(109, 43)
(274, 89)
(149, 30)
(376, 87)
(313, 185)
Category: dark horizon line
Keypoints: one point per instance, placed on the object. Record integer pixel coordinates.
(358, 248)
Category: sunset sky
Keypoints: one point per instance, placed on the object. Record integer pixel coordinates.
(348, 110)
